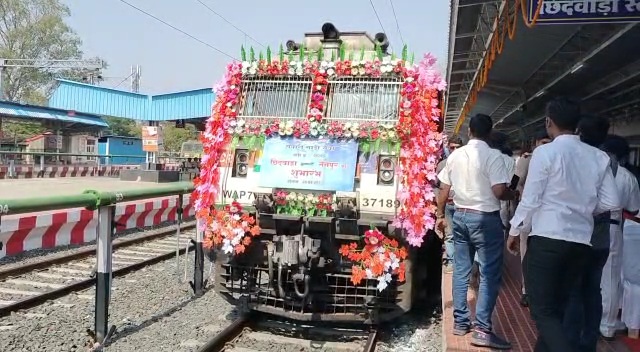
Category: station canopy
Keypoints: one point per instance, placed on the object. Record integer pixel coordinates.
(509, 63)
(51, 118)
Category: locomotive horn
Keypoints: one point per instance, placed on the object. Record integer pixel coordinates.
(292, 45)
(330, 32)
(382, 40)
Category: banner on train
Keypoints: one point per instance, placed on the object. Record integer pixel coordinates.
(318, 164)
(584, 11)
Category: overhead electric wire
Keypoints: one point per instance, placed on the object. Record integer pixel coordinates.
(229, 22)
(124, 80)
(178, 29)
(378, 17)
(393, 9)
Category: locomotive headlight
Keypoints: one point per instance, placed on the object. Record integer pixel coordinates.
(241, 163)
(386, 170)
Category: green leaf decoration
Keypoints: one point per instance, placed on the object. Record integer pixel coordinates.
(308, 55)
(281, 53)
(405, 52)
(268, 54)
(320, 52)
(378, 51)
(413, 57)
(393, 56)
(365, 147)
(362, 53)
(376, 145)
(252, 54)
(333, 56)
(243, 53)
(342, 51)
(290, 56)
(301, 53)
(235, 140)
(396, 148)
(352, 54)
(252, 142)
(260, 56)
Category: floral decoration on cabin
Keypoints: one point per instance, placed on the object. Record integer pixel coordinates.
(300, 204)
(415, 138)
(380, 259)
(230, 229)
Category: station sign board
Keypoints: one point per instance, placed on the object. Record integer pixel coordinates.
(584, 11)
(312, 164)
(151, 138)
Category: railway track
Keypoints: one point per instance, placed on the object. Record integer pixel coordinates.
(254, 333)
(29, 285)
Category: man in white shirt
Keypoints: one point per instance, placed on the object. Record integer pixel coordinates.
(584, 308)
(479, 177)
(629, 194)
(567, 183)
(521, 170)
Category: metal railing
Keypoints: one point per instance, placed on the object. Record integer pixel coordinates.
(105, 204)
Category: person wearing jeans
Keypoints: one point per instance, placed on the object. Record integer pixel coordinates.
(449, 248)
(479, 177)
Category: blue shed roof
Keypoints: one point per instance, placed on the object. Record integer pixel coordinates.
(112, 102)
(26, 111)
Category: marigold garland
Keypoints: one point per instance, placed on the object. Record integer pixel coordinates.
(379, 259)
(416, 129)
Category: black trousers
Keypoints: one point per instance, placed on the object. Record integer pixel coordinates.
(551, 269)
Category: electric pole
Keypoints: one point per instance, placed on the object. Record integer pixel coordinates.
(135, 78)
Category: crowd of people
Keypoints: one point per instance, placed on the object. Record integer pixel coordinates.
(561, 208)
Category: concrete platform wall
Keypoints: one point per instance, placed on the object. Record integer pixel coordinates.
(21, 233)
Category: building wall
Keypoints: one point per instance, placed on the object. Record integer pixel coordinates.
(122, 146)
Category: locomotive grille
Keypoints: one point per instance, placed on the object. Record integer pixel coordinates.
(331, 291)
(275, 98)
(364, 99)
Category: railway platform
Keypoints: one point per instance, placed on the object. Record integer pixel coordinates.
(511, 320)
(48, 229)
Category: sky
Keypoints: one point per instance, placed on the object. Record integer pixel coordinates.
(171, 61)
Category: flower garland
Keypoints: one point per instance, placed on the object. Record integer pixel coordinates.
(380, 259)
(303, 204)
(230, 229)
(419, 116)
(415, 137)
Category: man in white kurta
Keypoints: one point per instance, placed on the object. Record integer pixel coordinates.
(629, 194)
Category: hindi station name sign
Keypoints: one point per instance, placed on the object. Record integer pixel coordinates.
(585, 11)
(320, 164)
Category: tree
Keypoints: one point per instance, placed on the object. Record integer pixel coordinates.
(35, 29)
(174, 137)
(119, 126)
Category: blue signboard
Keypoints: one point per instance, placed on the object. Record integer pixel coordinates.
(585, 11)
(318, 164)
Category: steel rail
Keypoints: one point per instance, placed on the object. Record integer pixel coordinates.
(84, 284)
(91, 250)
(370, 345)
(218, 342)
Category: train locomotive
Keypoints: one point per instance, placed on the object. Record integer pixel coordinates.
(316, 187)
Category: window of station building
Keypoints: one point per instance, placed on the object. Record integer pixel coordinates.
(90, 148)
(358, 99)
(268, 97)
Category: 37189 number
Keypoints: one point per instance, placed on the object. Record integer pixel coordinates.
(380, 202)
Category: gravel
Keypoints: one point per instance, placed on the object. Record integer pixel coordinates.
(416, 332)
(151, 309)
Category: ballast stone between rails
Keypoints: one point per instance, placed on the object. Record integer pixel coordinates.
(25, 232)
